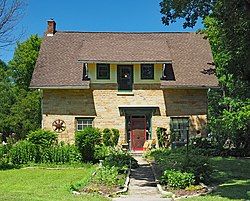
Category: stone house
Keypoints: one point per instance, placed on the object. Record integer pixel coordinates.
(134, 82)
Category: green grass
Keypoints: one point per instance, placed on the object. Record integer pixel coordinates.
(232, 176)
(40, 184)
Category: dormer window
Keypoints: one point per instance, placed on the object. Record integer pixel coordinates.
(147, 71)
(103, 71)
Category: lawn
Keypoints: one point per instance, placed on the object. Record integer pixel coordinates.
(41, 184)
(233, 177)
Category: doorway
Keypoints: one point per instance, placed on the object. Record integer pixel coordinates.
(138, 132)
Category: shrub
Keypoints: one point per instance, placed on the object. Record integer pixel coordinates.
(162, 137)
(200, 142)
(107, 176)
(23, 152)
(121, 160)
(43, 138)
(102, 151)
(62, 153)
(179, 160)
(86, 140)
(115, 136)
(110, 137)
(177, 179)
(106, 137)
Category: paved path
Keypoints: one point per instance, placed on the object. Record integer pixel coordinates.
(142, 184)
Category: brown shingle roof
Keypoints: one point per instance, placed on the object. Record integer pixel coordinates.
(58, 62)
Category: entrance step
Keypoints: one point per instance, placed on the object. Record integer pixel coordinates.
(137, 153)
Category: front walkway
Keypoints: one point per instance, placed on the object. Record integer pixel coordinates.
(142, 184)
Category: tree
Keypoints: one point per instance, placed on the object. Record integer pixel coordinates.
(11, 11)
(20, 107)
(227, 26)
(24, 60)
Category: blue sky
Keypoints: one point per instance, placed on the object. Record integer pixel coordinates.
(92, 15)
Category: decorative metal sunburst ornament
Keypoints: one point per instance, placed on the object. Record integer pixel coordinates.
(59, 125)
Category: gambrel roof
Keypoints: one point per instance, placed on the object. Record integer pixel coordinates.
(62, 56)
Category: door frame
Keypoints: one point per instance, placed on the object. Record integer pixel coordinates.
(132, 132)
(132, 74)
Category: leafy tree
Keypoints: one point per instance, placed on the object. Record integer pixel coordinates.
(7, 99)
(24, 60)
(227, 26)
(20, 110)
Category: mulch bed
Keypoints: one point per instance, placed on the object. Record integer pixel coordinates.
(100, 189)
(185, 193)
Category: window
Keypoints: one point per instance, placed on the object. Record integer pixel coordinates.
(83, 123)
(103, 71)
(147, 71)
(180, 128)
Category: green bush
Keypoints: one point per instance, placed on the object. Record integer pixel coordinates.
(121, 160)
(86, 140)
(110, 137)
(106, 137)
(177, 179)
(43, 138)
(62, 153)
(115, 136)
(200, 142)
(23, 152)
(178, 159)
(102, 151)
(108, 176)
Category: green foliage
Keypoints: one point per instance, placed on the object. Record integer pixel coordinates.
(200, 142)
(108, 176)
(178, 159)
(115, 136)
(24, 152)
(121, 160)
(187, 9)
(102, 151)
(43, 138)
(20, 110)
(177, 179)
(86, 141)
(227, 27)
(110, 137)
(24, 60)
(162, 137)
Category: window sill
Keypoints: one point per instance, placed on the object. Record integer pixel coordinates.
(125, 93)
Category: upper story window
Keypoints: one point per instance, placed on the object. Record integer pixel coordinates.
(82, 123)
(180, 128)
(103, 71)
(147, 71)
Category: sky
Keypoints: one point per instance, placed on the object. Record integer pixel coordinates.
(92, 15)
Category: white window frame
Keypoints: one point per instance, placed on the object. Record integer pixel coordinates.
(80, 122)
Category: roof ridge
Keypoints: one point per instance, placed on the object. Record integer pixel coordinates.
(124, 32)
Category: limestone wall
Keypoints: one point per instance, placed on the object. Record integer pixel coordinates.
(103, 105)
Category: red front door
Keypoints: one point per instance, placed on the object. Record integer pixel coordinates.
(138, 132)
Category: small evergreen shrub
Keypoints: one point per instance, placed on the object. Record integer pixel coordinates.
(115, 136)
(110, 137)
(106, 137)
(177, 179)
(43, 138)
(86, 140)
